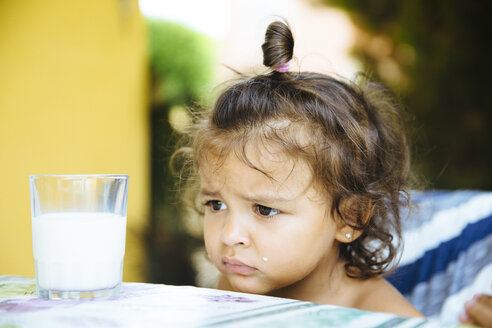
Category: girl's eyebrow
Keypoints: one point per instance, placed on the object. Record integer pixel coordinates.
(206, 192)
(259, 198)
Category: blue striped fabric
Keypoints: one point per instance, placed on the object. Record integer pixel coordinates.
(438, 259)
(448, 245)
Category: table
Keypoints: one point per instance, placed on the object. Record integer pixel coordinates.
(154, 305)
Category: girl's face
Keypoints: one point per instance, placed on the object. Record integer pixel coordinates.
(266, 233)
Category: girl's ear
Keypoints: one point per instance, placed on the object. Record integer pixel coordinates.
(346, 234)
(355, 213)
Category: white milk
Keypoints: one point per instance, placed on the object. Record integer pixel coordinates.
(78, 251)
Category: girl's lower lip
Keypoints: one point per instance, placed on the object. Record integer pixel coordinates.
(239, 268)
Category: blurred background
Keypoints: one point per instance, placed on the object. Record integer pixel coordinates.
(104, 87)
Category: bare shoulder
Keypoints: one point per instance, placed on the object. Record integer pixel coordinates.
(380, 296)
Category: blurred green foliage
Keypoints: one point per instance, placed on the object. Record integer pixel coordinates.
(180, 63)
(436, 55)
(181, 73)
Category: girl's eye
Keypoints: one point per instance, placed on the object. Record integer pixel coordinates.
(266, 211)
(216, 205)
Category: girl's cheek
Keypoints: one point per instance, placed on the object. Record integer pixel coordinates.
(211, 234)
(211, 250)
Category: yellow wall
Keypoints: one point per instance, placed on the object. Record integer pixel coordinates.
(72, 100)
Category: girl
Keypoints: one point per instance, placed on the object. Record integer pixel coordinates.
(301, 178)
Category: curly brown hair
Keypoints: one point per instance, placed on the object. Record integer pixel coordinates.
(354, 141)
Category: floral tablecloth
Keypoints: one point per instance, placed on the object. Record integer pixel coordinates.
(152, 305)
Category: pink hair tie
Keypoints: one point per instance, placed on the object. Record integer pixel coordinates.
(283, 68)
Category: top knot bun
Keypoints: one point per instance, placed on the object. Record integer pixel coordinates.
(278, 47)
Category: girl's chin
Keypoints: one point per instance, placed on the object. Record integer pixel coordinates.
(247, 284)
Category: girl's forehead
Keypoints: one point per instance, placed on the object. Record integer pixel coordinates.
(262, 155)
(284, 140)
(268, 181)
(268, 165)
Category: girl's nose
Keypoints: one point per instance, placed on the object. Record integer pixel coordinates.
(234, 232)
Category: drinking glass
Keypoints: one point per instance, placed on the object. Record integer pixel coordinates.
(78, 234)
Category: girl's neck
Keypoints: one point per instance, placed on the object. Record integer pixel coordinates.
(326, 284)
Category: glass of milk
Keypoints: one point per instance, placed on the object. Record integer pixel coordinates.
(78, 234)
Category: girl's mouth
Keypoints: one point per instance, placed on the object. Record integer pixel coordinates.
(237, 267)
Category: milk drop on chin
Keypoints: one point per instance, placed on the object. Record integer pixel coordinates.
(78, 251)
